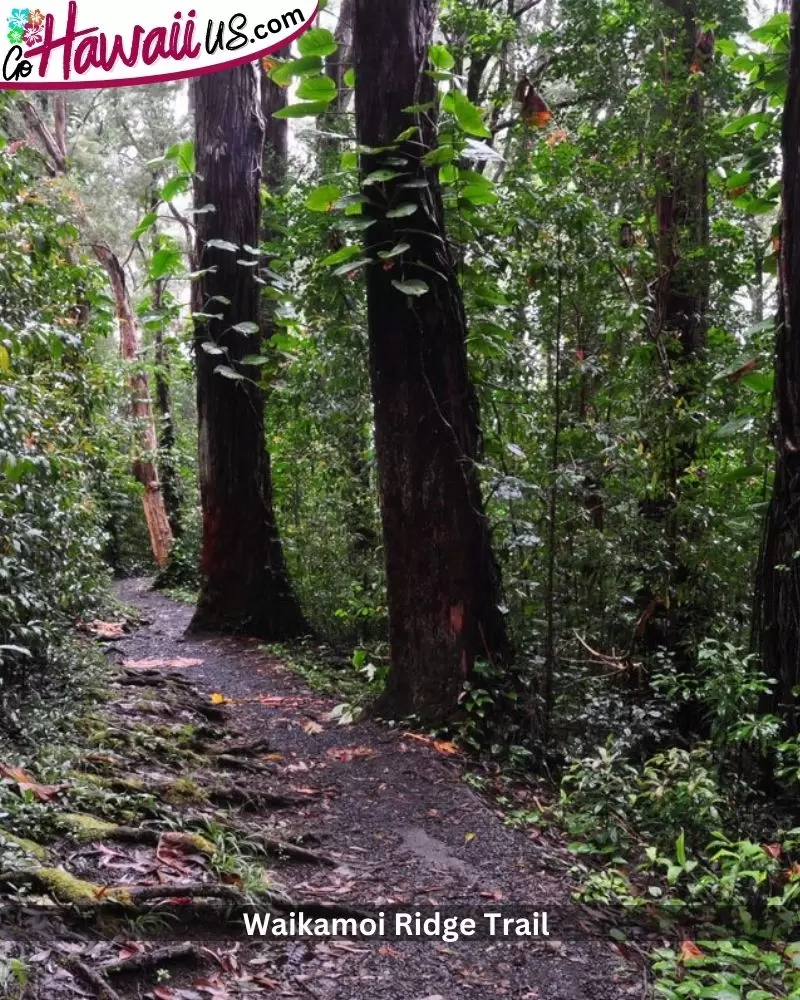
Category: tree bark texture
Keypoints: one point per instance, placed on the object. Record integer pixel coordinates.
(442, 578)
(245, 584)
(779, 576)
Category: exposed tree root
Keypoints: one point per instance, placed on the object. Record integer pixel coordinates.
(92, 978)
(148, 960)
(249, 749)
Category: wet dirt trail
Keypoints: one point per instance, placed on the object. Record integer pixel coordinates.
(389, 813)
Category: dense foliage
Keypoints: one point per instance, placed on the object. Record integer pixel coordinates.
(599, 162)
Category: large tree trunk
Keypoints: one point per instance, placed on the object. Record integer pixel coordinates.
(144, 465)
(779, 576)
(442, 579)
(679, 327)
(245, 585)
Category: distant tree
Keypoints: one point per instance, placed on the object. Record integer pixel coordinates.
(443, 581)
(245, 584)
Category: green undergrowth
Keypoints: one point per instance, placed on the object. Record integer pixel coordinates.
(355, 678)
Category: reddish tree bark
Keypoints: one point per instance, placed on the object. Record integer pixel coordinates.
(245, 584)
(443, 582)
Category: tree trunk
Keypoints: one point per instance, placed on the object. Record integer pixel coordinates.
(680, 307)
(170, 480)
(245, 584)
(144, 466)
(54, 144)
(779, 576)
(442, 579)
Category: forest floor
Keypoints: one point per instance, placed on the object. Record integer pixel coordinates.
(208, 755)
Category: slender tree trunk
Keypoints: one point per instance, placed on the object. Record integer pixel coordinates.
(245, 585)
(680, 307)
(54, 145)
(170, 480)
(442, 578)
(144, 466)
(779, 589)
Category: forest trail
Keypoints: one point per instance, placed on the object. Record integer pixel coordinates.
(204, 750)
(403, 828)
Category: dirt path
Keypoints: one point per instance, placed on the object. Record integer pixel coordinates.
(404, 828)
(202, 754)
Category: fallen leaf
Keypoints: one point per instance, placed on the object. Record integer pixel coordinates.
(311, 727)
(447, 748)
(26, 783)
(105, 630)
(740, 373)
(347, 754)
(387, 949)
(689, 950)
(469, 837)
(157, 664)
(219, 699)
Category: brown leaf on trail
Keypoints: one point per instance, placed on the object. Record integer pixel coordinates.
(105, 630)
(387, 949)
(311, 727)
(219, 699)
(178, 664)
(26, 783)
(744, 370)
(346, 755)
(688, 951)
(773, 850)
(446, 747)
(164, 993)
(179, 852)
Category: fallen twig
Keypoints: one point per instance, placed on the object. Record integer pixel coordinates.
(93, 978)
(153, 959)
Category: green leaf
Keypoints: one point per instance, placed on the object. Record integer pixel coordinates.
(317, 88)
(346, 253)
(147, 222)
(226, 372)
(317, 42)
(414, 287)
(284, 74)
(402, 211)
(186, 157)
(479, 195)
(222, 245)
(5, 360)
(349, 78)
(323, 198)
(248, 328)
(468, 116)
(308, 109)
(419, 109)
(352, 266)
(741, 123)
(211, 348)
(166, 261)
(439, 156)
(174, 187)
(381, 176)
(441, 57)
(397, 251)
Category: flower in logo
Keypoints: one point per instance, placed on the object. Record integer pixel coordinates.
(35, 18)
(15, 36)
(18, 19)
(33, 34)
